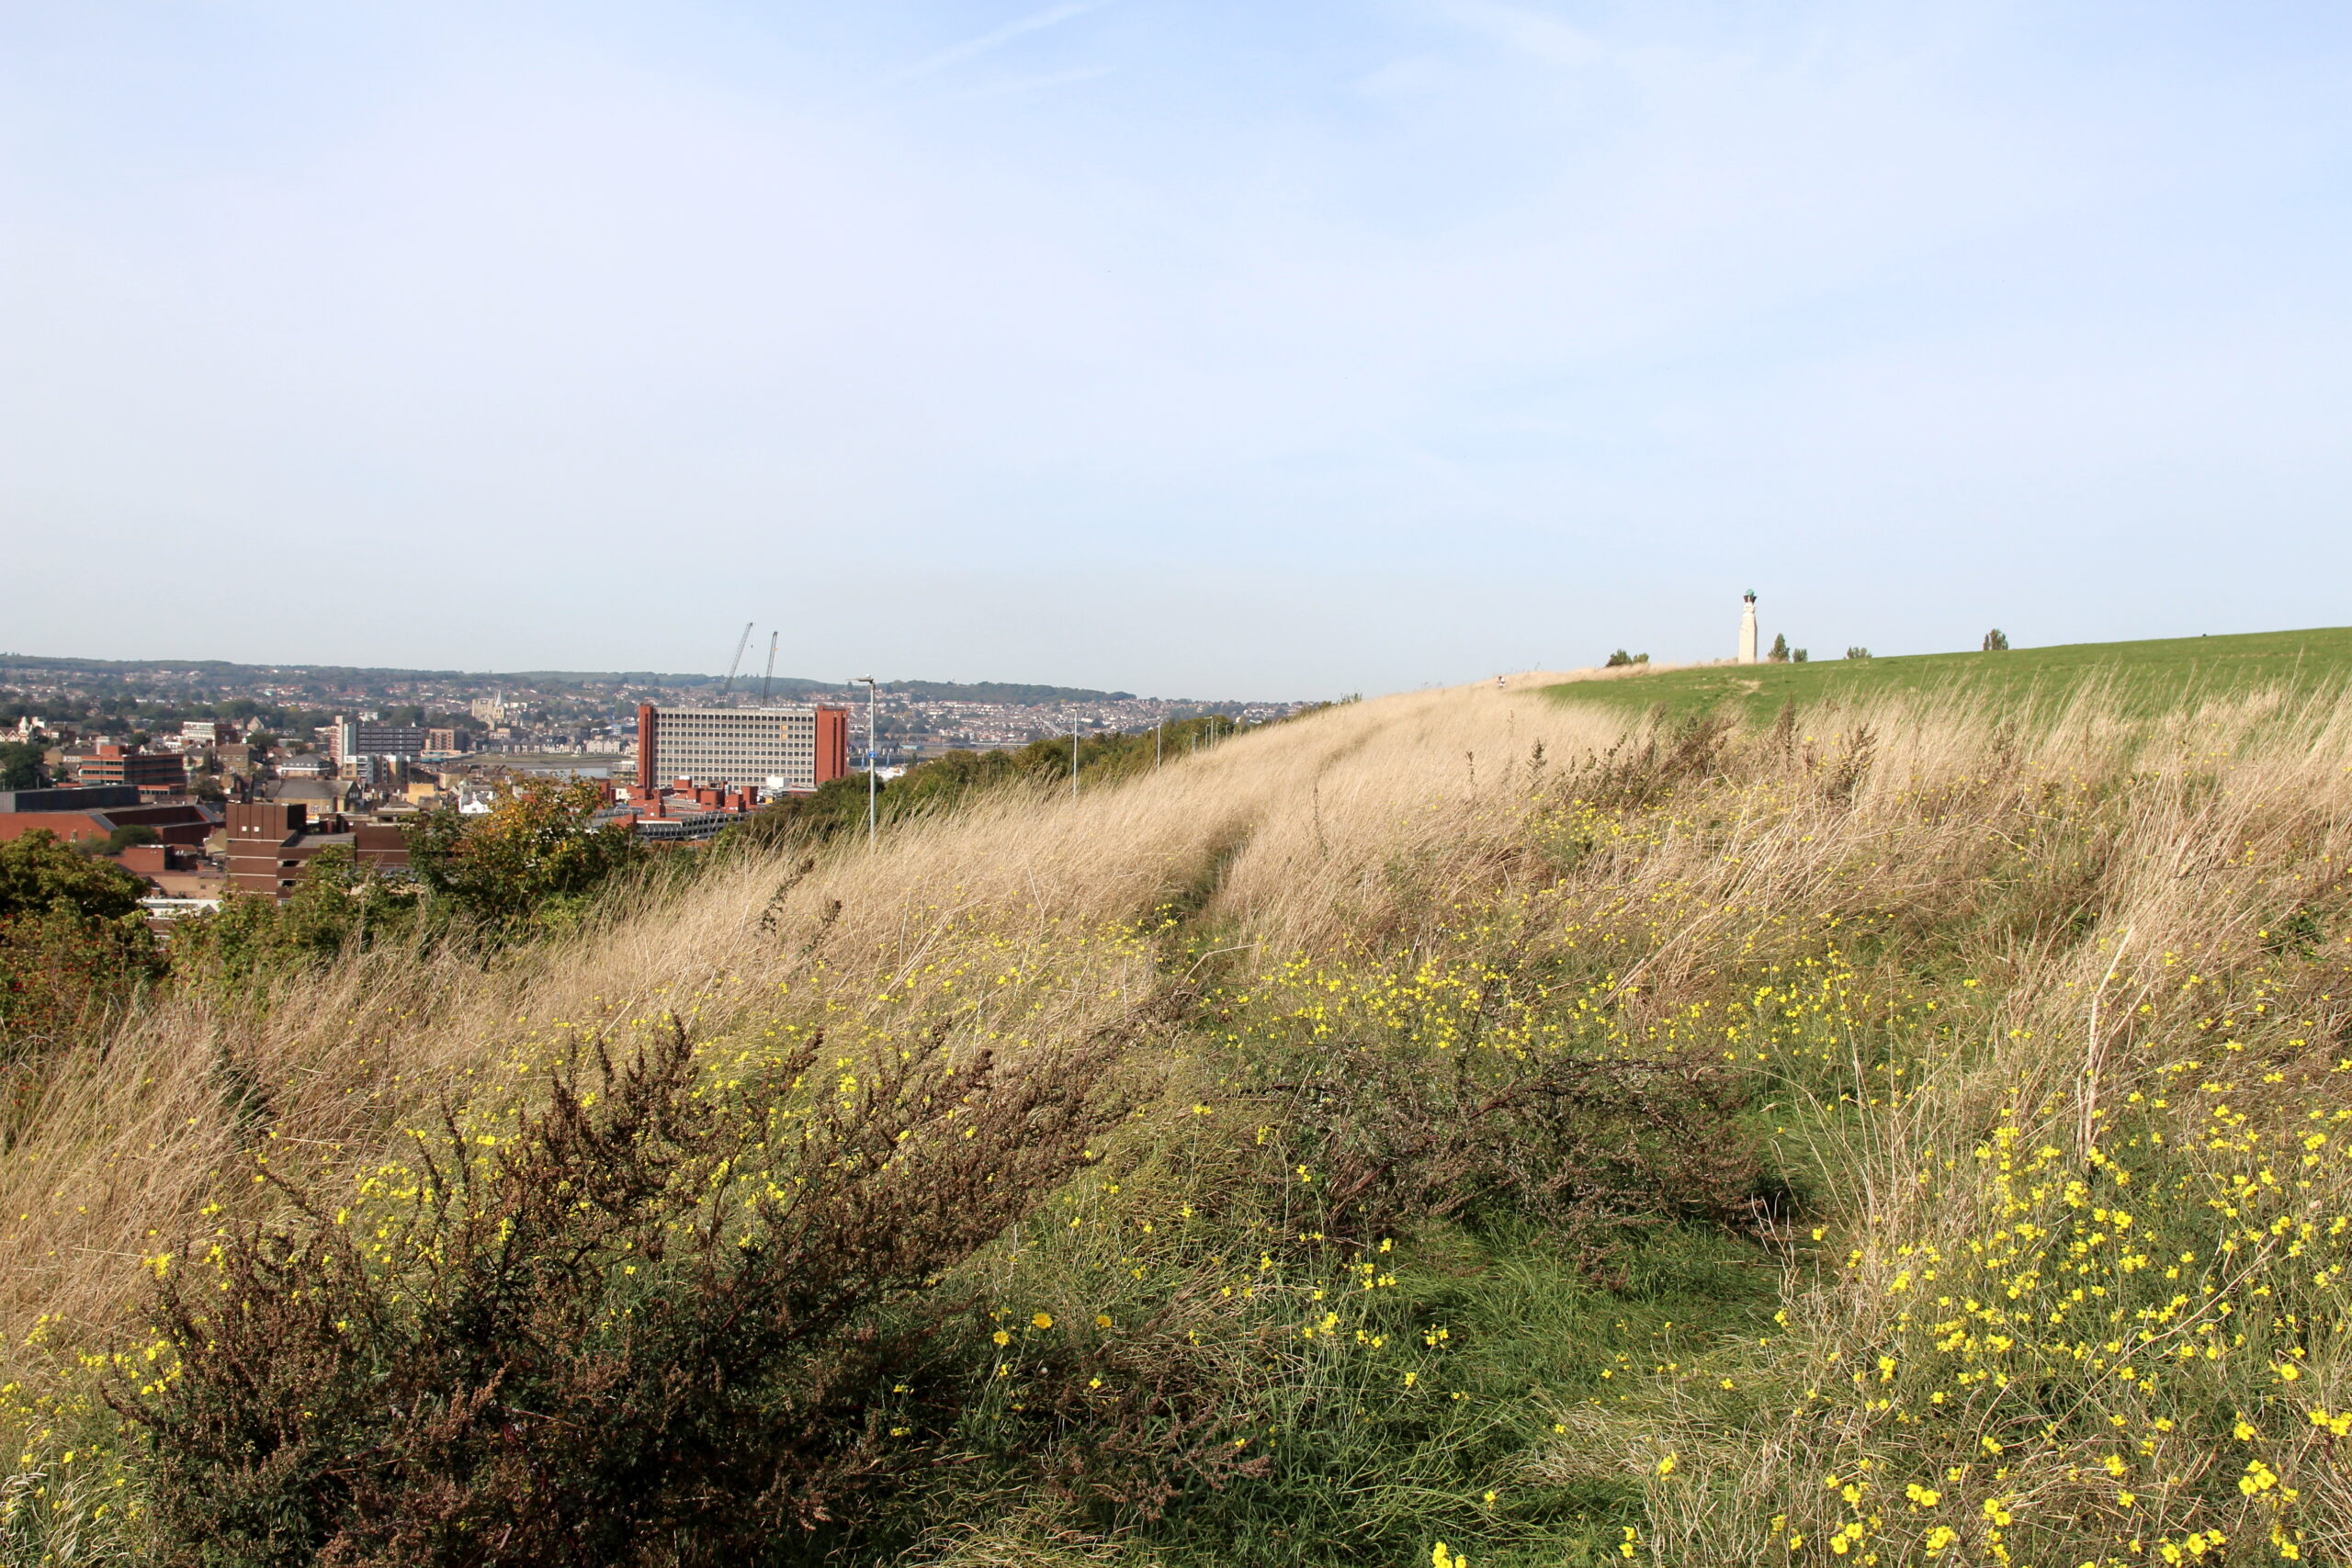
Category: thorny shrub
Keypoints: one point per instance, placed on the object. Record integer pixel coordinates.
(651, 1322)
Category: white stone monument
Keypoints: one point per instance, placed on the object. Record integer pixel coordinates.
(1747, 630)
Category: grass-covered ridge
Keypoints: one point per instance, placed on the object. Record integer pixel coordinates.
(1460, 1119)
(2140, 679)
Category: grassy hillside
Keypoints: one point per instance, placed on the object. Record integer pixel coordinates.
(1462, 1126)
(2135, 678)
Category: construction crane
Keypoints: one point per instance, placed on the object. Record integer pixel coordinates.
(737, 662)
(771, 674)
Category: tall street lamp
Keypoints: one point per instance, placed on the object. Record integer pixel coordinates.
(867, 682)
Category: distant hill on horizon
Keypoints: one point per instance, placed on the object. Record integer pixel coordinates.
(1023, 694)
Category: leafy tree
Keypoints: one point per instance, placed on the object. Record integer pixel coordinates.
(19, 765)
(536, 857)
(74, 946)
(122, 838)
(1857, 651)
(1779, 654)
(1996, 641)
(40, 874)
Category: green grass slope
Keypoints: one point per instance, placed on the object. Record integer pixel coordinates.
(2144, 677)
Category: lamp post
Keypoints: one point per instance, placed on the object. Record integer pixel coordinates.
(867, 682)
(1073, 758)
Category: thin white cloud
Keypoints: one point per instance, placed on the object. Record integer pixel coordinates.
(1523, 31)
(971, 48)
(1019, 85)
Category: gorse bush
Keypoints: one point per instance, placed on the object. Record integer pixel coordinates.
(657, 1321)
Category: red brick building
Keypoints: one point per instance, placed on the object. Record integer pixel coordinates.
(270, 842)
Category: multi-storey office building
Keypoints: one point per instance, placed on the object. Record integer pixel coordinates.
(798, 747)
(365, 738)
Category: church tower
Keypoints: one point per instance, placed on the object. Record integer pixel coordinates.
(1747, 630)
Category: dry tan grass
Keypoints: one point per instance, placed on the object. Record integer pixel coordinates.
(1293, 827)
(127, 1143)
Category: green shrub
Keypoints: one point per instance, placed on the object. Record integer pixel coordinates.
(75, 947)
(945, 782)
(653, 1323)
(338, 906)
(122, 838)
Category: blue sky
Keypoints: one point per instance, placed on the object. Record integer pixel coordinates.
(1214, 349)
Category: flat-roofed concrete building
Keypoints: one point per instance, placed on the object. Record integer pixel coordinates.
(803, 746)
(352, 737)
